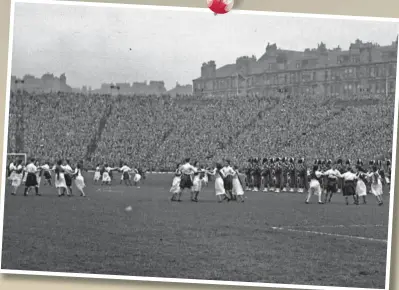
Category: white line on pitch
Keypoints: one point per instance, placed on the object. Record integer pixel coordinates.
(334, 226)
(332, 235)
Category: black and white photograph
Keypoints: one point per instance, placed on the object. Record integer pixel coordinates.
(199, 145)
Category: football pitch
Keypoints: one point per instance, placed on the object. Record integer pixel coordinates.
(270, 238)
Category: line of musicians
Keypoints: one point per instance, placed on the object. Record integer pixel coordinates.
(286, 174)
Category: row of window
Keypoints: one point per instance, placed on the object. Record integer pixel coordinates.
(304, 76)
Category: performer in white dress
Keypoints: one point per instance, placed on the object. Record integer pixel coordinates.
(17, 177)
(314, 185)
(106, 176)
(46, 173)
(175, 189)
(24, 174)
(376, 184)
(79, 179)
(11, 170)
(137, 177)
(68, 175)
(228, 173)
(97, 174)
(60, 183)
(238, 191)
(361, 188)
(219, 184)
(205, 179)
(197, 184)
(38, 173)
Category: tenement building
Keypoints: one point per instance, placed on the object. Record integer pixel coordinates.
(363, 68)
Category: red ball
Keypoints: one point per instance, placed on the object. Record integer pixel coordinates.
(220, 6)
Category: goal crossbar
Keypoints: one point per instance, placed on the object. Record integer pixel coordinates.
(14, 156)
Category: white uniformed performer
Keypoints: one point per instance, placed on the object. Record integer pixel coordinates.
(46, 173)
(186, 182)
(228, 173)
(11, 171)
(205, 179)
(376, 184)
(97, 174)
(197, 183)
(38, 173)
(238, 191)
(361, 187)
(106, 176)
(24, 174)
(68, 175)
(137, 177)
(175, 189)
(17, 177)
(314, 184)
(60, 183)
(332, 175)
(79, 179)
(349, 185)
(31, 179)
(219, 183)
(126, 174)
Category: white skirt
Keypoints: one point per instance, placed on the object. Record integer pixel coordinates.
(205, 179)
(17, 180)
(12, 175)
(106, 177)
(175, 185)
(237, 188)
(97, 176)
(376, 189)
(60, 182)
(80, 182)
(39, 179)
(314, 187)
(197, 185)
(219, 186)
(137, 178)
(361, 189)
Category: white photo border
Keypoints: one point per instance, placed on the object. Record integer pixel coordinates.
(177, 280)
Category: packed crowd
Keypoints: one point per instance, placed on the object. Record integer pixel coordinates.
(55, 125)
(156, 132)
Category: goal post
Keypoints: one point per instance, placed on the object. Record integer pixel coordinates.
(16, 156)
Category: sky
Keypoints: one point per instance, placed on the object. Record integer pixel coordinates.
(94, 45)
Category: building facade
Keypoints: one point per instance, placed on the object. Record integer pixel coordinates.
(47, 83)
(364, 67)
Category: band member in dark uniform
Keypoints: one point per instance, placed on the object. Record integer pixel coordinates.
(292, 175)
(257, 176)
(302, 173)
(284, 169)
(278, 171)
(248, 175)
(266, 175)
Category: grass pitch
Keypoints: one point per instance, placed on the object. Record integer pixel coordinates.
(270, 238)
